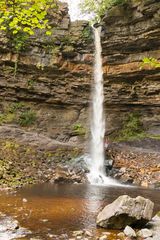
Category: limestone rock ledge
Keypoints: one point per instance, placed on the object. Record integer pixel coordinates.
(130, 33)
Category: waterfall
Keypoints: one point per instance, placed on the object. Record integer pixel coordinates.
(97, 171)
(97, 120)
(95, 160)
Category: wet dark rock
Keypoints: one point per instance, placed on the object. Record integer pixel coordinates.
(108, 164)
(126, 211)
(68, 175)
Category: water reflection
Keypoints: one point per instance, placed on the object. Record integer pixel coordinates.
(60, 209)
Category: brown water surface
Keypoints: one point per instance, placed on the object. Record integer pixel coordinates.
(58, 209)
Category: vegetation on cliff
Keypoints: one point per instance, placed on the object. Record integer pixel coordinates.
(98, 8)
(132, 128)
(21, 18)
(151, 62)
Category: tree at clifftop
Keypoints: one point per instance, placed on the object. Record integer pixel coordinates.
(98, 7)
(20, 18)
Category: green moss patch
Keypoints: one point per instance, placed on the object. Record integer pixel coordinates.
(18, 113)
(132, 129)
(78, 129)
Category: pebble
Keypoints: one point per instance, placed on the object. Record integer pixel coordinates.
(106, 233)
(144, 233)
(129, 232)
(77, 233)
(121, 235)
(44, 220)
(88, 233)
(103, 238)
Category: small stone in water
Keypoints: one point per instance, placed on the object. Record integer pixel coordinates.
(79, 237)
(129, 232)
(103, 238)
(77, 233)
(50, 235)
(145, 233)
(44, 220)
(88, 233)
(106, 233)
(121, 235)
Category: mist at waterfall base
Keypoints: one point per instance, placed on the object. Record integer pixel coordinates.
(97, 157)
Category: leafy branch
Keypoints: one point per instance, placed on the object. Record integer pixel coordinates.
(17, 16)
(20, 19)
(152, 62)
(97, 8)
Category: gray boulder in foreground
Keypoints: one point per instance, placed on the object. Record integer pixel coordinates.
(126, 211)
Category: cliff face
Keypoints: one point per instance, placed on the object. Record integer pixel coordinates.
(131, 33)
(54, 73)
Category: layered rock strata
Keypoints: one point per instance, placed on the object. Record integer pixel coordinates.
(130, 33)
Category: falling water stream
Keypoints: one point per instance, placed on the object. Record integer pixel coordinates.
(97, 172)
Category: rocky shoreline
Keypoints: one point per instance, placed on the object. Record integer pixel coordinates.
(28, 157)
(136, 162)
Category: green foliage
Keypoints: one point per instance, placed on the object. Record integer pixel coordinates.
(132, 128)
(30, 84)
(27, 118)
(11, 167)
(21, 18)
(25, 16)
(78, 129)
(87, 33)
(151, 62)
(52, 48)
(154, 136)
(99, 7)
(67, 40)
(40, 66)
(15, 106)
(7, 118)
(18, 113)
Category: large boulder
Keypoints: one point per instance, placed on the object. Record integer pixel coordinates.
(126, 211)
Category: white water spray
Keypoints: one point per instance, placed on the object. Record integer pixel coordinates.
(97, 171)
